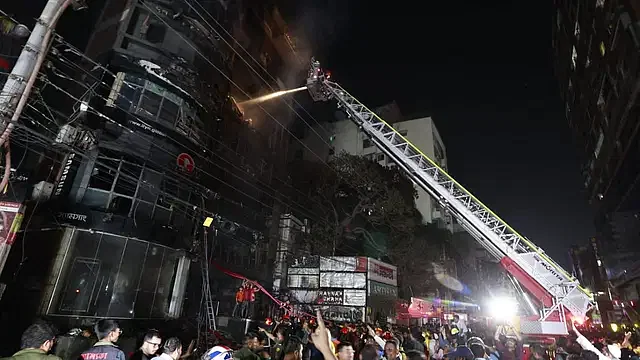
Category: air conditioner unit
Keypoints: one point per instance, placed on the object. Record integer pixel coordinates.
(42, 191)
(67, 135)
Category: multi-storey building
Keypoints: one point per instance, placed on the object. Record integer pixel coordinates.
(595, 45)
(421, 132)
(156, 144)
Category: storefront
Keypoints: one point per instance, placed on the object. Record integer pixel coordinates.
(349, 289)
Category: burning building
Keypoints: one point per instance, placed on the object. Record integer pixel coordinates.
(151, 145)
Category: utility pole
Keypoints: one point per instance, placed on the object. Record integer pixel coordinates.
(17, 89)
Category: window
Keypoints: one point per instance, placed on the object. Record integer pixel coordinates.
(367, 143)
(439, 151)
(156, 103)
(113, 276)
(115, 185)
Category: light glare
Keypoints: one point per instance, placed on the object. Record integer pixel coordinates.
(502, 308)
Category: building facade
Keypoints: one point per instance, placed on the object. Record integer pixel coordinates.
(153, 143)
(595, 45)
(421, 132)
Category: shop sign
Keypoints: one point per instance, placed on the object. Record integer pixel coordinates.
(337, 263)
(344, 280)
(382, 272)
(330, 297)
(355, 297)
(380, 289)
(11, 219)
(342, 313)
(312, 261)
(65, 177)
(73, 218)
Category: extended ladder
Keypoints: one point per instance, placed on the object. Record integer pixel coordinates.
(206, 288)
(538, 273)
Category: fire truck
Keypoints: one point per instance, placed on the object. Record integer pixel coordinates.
(560, 298)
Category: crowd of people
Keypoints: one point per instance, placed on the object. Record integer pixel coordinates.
(313, 339)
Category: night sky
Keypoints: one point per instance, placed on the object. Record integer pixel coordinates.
(483, 71)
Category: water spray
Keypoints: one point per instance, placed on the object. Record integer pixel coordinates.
(271, 96)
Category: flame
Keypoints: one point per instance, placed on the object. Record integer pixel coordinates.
(271, 96)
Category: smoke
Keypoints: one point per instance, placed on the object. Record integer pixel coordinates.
(321, 21)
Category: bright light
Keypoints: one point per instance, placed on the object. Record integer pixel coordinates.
(614, 327)
(502, 308)
(578, 320)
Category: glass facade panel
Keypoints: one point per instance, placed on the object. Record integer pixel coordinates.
(113, 276)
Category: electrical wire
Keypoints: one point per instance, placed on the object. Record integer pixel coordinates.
(260, 106)
(202, 145)
(233, 48)
(246, 94)
(181, 176)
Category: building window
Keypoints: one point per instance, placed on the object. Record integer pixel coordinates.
(130, 189)
(438, 151)
(154, 102)
(114, 276)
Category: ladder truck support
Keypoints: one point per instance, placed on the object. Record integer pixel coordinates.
(559, 294)
(17, 89)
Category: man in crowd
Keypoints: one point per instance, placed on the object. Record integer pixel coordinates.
(36, 342)
(345, 351)
(108, 333)
(172, 350)
(150, 345)
(247, 350)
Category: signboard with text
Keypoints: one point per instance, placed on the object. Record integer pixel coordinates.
(342, 313)
(330, 297)
(383, 272)
(384, 290)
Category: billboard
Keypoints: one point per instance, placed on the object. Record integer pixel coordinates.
(383, 290)
(344, 280)
(343, 264)
(382, 272)
(347, 297)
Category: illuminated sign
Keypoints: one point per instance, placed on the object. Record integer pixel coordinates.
(382, 272)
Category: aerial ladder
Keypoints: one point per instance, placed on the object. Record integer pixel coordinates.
(560, 296)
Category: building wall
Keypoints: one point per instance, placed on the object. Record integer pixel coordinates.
(596, 62)
(421, 132)
(157, 96)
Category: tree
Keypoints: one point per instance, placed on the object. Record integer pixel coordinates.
(354, 192)
(415, 254)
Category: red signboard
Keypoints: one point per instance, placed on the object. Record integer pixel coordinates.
(11, 221)
(185, 162)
